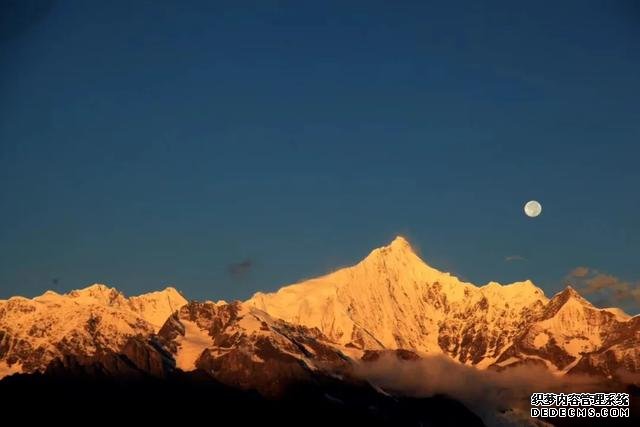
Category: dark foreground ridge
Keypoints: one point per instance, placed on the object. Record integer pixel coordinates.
(62, 392)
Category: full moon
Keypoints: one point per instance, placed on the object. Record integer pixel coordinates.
(533, 208)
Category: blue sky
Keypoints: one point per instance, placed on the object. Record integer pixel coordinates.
(152, 143)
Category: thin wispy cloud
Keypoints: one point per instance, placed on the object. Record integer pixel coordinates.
(239, 270)
(609, 289)
(579, 272)
(512, 258)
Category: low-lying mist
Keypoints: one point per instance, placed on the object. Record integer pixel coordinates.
(490, 394)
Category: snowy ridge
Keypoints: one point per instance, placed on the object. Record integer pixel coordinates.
(575, 337)
(85, 322)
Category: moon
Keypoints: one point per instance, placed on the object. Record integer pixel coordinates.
(532, 208)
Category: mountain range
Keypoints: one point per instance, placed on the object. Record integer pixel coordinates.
(319, 330)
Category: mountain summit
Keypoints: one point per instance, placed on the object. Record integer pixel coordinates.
(398, 247)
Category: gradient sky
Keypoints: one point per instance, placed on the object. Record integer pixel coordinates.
(227, 148)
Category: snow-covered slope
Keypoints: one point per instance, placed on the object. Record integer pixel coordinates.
(392, 299)
(35, 331)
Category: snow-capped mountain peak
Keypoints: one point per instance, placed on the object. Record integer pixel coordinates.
(97, 294)
(399, 258)
(399, 247)
(393, 299)
(570, 292)
(568, 297)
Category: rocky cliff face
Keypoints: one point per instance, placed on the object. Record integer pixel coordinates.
(242, 346)
(618, 357)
